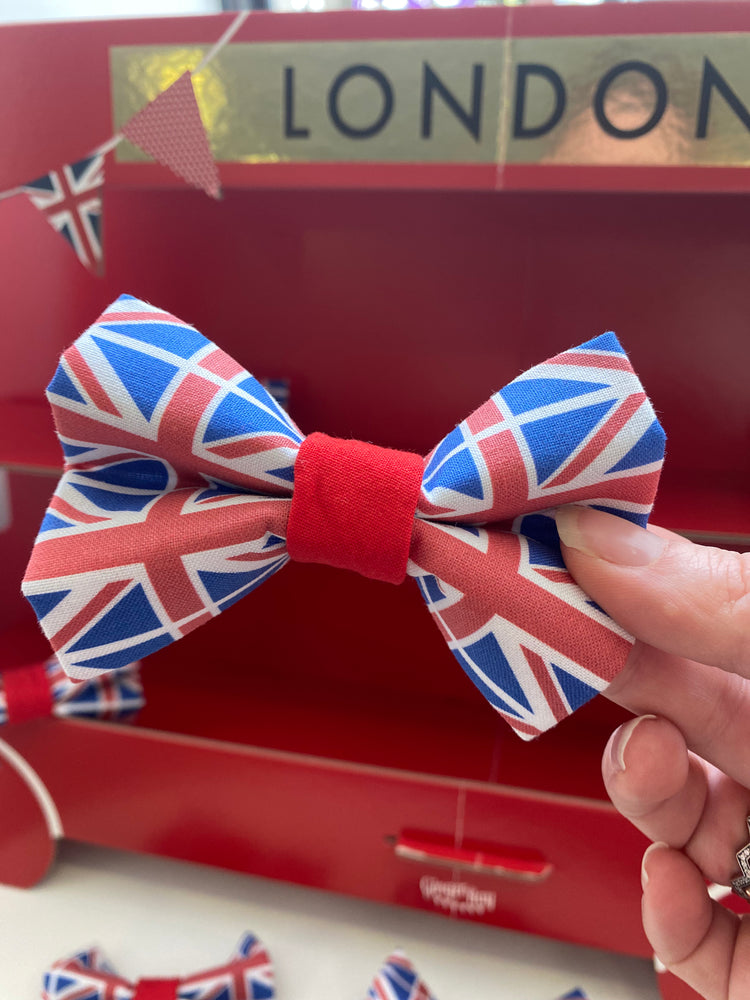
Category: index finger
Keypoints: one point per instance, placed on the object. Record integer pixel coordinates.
(689, 600)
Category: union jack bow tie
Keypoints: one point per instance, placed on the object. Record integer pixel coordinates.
(248, 975)
(186, 485)
(36, 690)
(398, 980)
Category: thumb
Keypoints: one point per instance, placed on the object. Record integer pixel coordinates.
(686, 599)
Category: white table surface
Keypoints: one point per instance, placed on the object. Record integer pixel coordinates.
(155, 917)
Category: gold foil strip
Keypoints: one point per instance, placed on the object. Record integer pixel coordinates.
(664, 100)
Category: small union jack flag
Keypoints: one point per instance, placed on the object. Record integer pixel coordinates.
(178, 485)
(398, 980)
(114, 696)
(248, 975)
(70, 197)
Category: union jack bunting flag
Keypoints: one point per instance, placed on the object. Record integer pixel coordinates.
(398, 980)
(71, 199)
(577, 994)
(248, 975)
(186, 465)
(114, 696)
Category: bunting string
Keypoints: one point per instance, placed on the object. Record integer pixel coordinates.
(169, 129)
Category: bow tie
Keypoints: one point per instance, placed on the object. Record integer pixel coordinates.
(36, 690)
(186, 485)
(248, 975)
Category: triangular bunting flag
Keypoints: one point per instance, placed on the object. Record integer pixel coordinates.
(71, 199)
(171, 130)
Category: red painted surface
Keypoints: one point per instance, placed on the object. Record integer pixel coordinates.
(26, 849)
(291, 737)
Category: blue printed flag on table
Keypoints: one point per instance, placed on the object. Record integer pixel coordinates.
(186, 485)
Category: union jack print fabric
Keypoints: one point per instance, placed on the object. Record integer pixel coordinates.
(248, 975)
(179, 472)
(113, 696)
(398, 980)
(71, 199)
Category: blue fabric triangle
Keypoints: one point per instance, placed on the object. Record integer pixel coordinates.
(531, 393)
(112, 500)
(430, 588)
(220, 585)
(453, 440)
(44, 603)
(183, 341)
(132, 615)
(272, 540)
(553, 439)
(261, 991)
(650, 448)
(491, 660)
(236, 416)
(70, 450)
(543, 540)
(139, 473)
(576, 692)
(286, 473)
(144, 377)
(121, 658)
(629, 515)
(604, 342)
(62, 385)
(401, 983)
(458, 473)
(51, 522)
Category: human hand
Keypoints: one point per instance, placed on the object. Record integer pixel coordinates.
(680, 772)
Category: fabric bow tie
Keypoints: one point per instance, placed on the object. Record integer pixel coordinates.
(248, 975)
(36, 690)
(186, 485)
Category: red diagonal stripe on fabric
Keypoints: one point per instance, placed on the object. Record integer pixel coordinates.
(613, 425)
(612, 361)
(250, 446)
(139, 317)
(63, 507)
(492, 584)
(89, 382)
(545, 682)
(108, 593)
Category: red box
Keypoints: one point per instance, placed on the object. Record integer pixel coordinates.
(292, 737)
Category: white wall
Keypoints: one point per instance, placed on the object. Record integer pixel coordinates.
(61, 10)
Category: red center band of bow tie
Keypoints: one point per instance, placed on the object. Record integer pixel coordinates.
(156, 989)
(353, 506)
(27, 692)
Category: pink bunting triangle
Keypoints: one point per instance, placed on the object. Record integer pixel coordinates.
(171, 130)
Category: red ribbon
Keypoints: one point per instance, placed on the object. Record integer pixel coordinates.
(353, 506)
(27, 692)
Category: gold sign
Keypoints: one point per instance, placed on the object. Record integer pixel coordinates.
(609, 100)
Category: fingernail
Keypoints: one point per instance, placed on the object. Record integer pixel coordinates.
(659, 845)
(621, 740)
(607, 536)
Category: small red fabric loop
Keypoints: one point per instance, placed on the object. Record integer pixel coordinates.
(27, 692)
(156, 989)
(353, 506)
